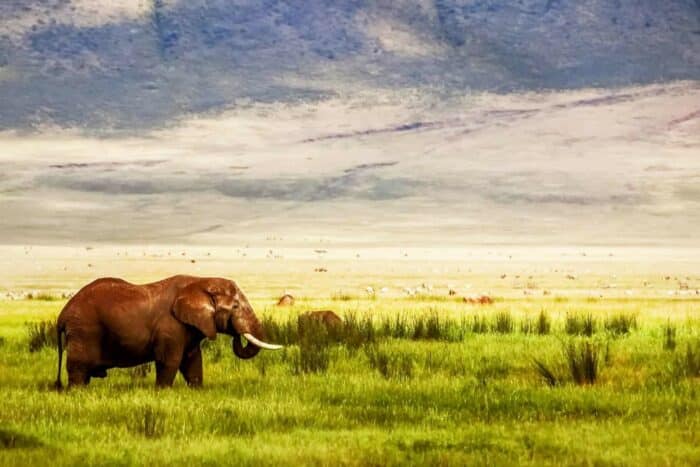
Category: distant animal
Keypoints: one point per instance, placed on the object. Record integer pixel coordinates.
(478, 300)
(452, 292)
(286, 300)
(327, 318)
(113, 323)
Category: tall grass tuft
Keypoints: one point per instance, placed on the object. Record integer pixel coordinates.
(391, 365)
(546, 373)
(503, 323)
(430, 327)
(578, 325)
(314, 349)
(669, 336)
(148, 422)
(582, 359)
(544, 324)
(397, 327)
(540, 325)
(418, 328)
(434, 328)
(212, 349)
(687, 364)
(479, 325)
(284, 332)
(621, 324)
(357, 332)
(41, 334)
(581, 362)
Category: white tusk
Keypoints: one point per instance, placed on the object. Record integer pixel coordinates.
(263, 345)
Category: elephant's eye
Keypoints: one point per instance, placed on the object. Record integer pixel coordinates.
(235, 305)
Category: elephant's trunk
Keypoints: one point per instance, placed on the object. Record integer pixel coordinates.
(249, 351)
(246, 324)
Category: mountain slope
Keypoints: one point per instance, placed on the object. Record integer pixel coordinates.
(142, 63)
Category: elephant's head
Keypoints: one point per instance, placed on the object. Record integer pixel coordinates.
(215, 305)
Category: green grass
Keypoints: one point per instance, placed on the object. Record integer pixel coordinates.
(403, 382)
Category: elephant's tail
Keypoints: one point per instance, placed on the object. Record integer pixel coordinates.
(60, 332)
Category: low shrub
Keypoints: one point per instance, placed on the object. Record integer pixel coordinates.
(41, 334)
(342, 297)
(46, 297)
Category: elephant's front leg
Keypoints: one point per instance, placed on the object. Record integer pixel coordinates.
(191, 367)
(165, 374)
(168, 358)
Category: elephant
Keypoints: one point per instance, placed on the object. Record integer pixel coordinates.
(113, 323)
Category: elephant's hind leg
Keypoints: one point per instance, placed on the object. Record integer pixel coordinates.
(191, 367)
(78, 373)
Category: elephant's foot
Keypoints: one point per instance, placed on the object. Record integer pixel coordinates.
(191, 368)
(98, 373)
(78, 378)
(165, 375)
(78, 374)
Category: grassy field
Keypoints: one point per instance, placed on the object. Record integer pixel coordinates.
(410, 380)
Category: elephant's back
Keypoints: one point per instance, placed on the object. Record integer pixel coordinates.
(103, 294)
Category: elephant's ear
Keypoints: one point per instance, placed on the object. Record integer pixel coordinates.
(194, 307)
